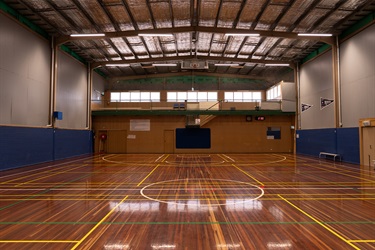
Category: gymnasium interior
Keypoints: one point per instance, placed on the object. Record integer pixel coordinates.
(187, 124)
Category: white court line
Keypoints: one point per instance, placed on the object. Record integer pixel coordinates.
(159, 158)
(119, 162)
(164, 189)
(37, 169)
(260, 163)
(202, 205)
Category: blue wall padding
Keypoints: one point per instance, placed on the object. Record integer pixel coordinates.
(70, 143)
(193, 138)
(22, 146)
(348, 144)
(344, 141)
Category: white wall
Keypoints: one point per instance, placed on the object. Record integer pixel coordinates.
(25, 61)
(357, 57)
(316, 82)
(71, 96)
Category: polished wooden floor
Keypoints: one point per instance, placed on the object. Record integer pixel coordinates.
(218, 201)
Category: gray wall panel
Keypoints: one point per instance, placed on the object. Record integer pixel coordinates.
(98, 86)
(288, 90)
(71, 96)
(24, 75)
(316, 82)
(357, 57)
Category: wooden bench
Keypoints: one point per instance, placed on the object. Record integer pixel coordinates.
(330, 154)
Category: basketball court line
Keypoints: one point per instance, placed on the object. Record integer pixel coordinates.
(112, 210)
(38, 241)
(225, 222)
(37, 169)
(188, 223)
(337, 172)
(320, 223)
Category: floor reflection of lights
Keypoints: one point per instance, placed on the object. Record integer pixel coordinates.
(198, 193)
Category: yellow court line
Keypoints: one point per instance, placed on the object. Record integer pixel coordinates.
(27, 182)
(99, 223)
(320, 223)
(362, 241)
(197, 198)
(37, 173)
(222, 158)
(113, 209)
(338, 172)
(38, 241)
(248, 174)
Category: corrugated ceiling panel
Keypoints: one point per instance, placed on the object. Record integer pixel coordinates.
(208, 12)
(352, 4)
(228, 13)
(183, 41)
(269, 16)
(292, 15)
(307, 23)
(249, 13)
(96, 12)
(162, 14)
(153, 45)
(203, 41)
(39, 5)
(327, 4)
(121, 46)
(141, 14)
(79, 19)
(234, 44)
(328, 23)
(121, 16)
(181, 12)
(265, 46)
(218, 43)
(58, 21)
(137, 45)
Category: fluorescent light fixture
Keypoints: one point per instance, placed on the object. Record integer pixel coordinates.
(164, 64)
(277, 64)
(242, 34)
(117, 65)
(146, 34)
(313, 34)
(227, 64)
(88, 35)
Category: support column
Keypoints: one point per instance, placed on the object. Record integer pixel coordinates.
(53, 83)
(336, 83)
(89, 91)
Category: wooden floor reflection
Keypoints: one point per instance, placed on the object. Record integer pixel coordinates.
(217, 201)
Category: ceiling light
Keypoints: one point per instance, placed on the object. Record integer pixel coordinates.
(242, 34)
(164, 64)
(227, 64)
(117, 65)
(313, 34)
(277, 64)
(87, 35)
(167, 35)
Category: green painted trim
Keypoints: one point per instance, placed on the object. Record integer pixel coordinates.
(7, 9)
(358, 26)
(101, 73)
(317, 52)
(72, 53)
(188, 112)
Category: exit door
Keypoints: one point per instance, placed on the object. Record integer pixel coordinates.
(168, 141)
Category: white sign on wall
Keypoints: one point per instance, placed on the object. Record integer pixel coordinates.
(139, 125)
